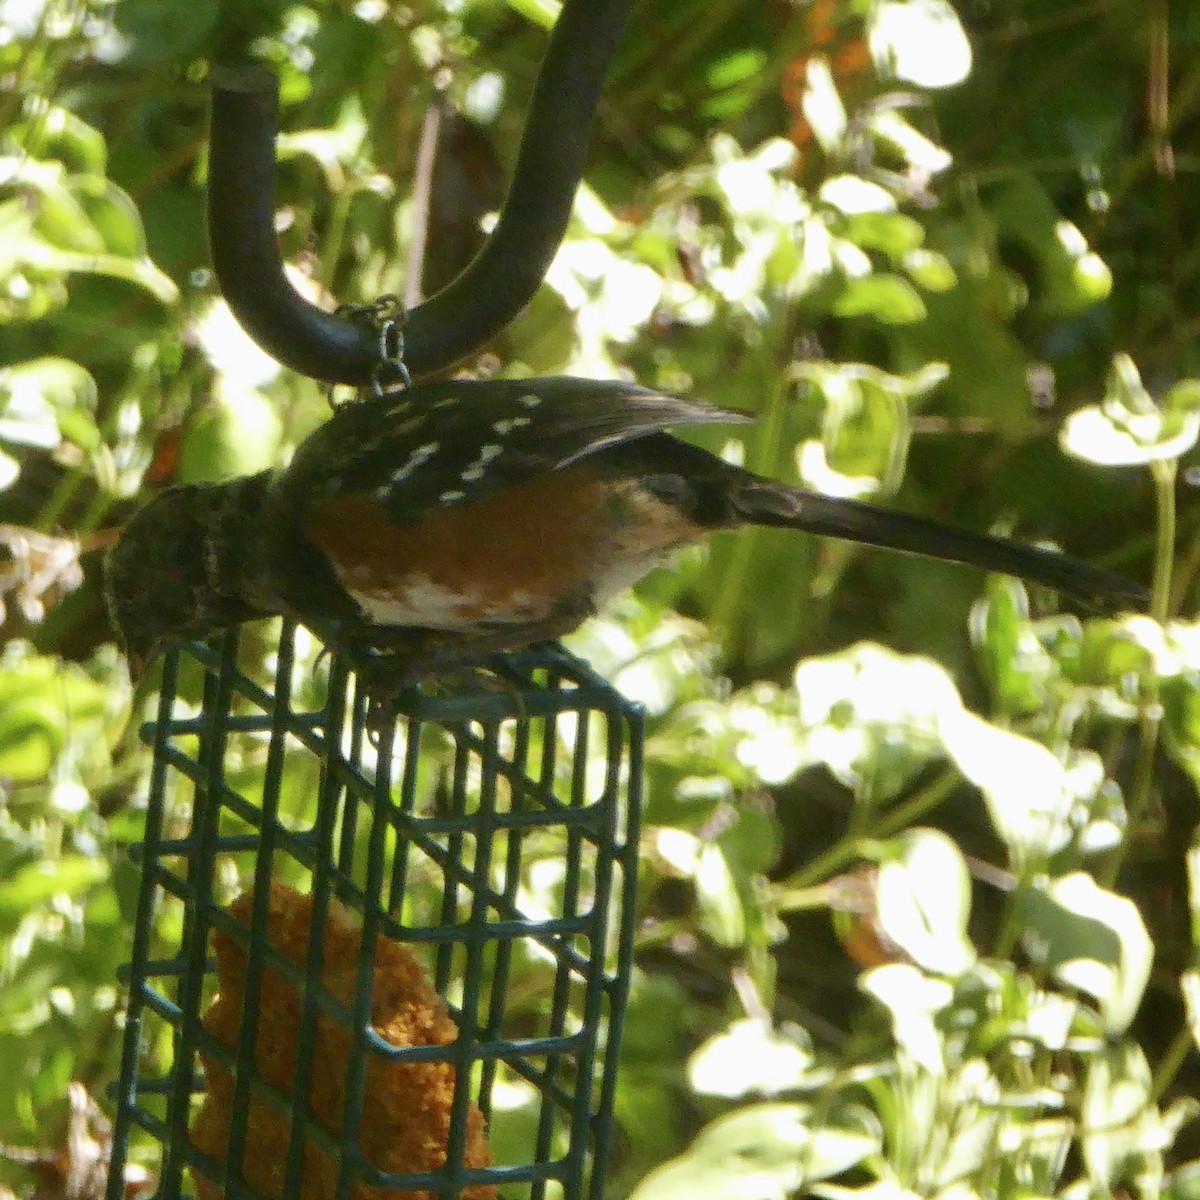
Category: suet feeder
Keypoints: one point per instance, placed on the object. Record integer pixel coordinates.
(420, 990)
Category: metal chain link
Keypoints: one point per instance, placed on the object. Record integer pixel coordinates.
(386, 316)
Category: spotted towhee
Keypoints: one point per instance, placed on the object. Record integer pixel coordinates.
(428, 528)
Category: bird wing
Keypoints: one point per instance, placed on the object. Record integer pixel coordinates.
(450, 442)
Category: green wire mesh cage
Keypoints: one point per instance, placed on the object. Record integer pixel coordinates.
(380, 958)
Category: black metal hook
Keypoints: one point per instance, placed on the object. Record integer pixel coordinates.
(493, 288)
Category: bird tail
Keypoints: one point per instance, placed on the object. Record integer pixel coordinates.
(761, 502)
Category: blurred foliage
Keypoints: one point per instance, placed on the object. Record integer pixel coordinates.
(917, 921)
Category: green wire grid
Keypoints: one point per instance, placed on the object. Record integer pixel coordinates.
(433, 859)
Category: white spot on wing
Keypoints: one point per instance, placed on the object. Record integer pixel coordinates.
(529, 400)
(450, 496)
(508, 424)
(417, 459)
(474, 471)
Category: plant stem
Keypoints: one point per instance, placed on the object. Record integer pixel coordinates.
(846, 849)
(1175, 1056)
(1163, 474)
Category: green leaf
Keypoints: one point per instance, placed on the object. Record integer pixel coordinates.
(31, 738)
(53, 132)
(895, 234)
(924, 900)
(1015, 662)
(930, 269)
(44, 400)
(41, 704)
(722, 916)
(1184, 397)
(735, 68)
(63, 221)
(39, 882)
(1111, 651)
(1180, 698)
(919, 41)
(1092, 940)
(887, 298)
(238, 433)
(111, 213)
(539, 12)
(864, 424)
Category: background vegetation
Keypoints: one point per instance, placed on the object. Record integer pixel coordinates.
(921, 886)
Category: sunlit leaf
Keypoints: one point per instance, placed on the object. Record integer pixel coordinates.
(914, 1000)
(1189, 988)
(1120, 1122)
(41, 705)
(853, 195)
(873, 716)
(891, 127)
(895, 233)
(924, 900)
(540, 12)
(1093, 940)
(752, 1057)
(44, 400)
(764, 1152)
(1023, 784)
(1128, 428)
(1193, 878)
(821, 104)
(919, 41)
(10, 468)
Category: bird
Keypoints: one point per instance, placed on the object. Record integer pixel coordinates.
(425, 528)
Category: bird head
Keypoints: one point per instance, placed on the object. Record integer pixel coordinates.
(176, 573)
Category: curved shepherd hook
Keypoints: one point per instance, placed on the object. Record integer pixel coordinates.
(492, 289)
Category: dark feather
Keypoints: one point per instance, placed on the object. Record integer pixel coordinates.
(490, 436)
